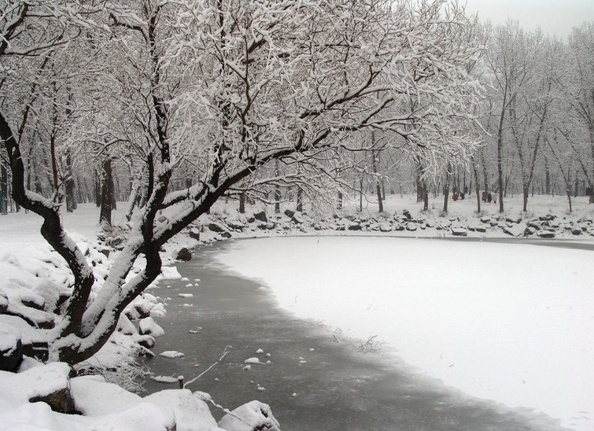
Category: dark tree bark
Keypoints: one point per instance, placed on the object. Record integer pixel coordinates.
(299, 199)
(446, 190)
(106, 193)
(242, 203)
(69, 185)
(277, 190)
(477, 187)
(425, 196)
(378, 186)
(97, 187)
(3, 189)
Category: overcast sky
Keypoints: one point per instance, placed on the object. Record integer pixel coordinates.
(555, 17)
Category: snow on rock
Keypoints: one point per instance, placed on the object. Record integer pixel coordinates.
(3, 301)
(516, 230)
(11, 353)
(148, 326)
(185, 295)
(125, 326)
(172, 354)
(158, 311)
(191, 413)
(9, 336)
(251, 416)
(459, 231)
(33, 383)
(253, 360)
(93, 396)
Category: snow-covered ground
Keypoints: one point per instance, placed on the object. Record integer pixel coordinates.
(448, 306)
(511, 323)
(27, 262)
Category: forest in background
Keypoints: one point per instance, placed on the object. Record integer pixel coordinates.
(534, 126)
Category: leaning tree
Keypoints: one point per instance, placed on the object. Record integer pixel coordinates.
(228, 87)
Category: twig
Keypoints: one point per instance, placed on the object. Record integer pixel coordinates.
(225, 353)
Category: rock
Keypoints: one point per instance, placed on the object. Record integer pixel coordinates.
(216, 227)
(147, 341)
(105, 251)
(554, 223)
(258, 415)
(534, 225)
(60, 400)
(459, 231)
(297, 218)
(406, 214)
(411, 227)
(125, 326)
(11, 349)
(289, 213)
(261, 216)
(3, 302)
(52, 386)
(194, 233)
(546, 234)
(235, 224)
(148, 326)
(385, 227)
(355, 227)
(516, 230)
(576, 231)
(183, 254)
(37, 349)
(142, 309)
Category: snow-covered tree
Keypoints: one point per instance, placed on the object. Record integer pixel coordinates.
(229, 87)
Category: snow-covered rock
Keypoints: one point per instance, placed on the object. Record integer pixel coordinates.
(148, 326)
(11, 350)
(250, 417)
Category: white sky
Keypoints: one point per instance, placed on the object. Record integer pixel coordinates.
(555, 17)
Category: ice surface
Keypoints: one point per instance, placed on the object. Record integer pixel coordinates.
(512, 323)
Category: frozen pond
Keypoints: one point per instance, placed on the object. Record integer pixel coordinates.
(314, 381)
(511, 323)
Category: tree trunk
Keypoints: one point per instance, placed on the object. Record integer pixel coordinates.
(477, 186)
(378, 186)
(299, 199)
(360, 194)
(97, 187)
(446, 191)
(106, 193)
(69, 185)
(3, 189)
(242, 203)
(277, 190)
(425, 196)
(525, 193)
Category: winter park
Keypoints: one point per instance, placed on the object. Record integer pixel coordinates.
(221, 215)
